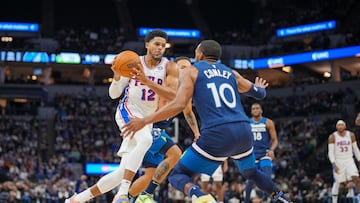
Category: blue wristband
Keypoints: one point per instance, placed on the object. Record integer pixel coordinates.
(256, 92)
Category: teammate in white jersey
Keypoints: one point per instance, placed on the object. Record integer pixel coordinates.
(342, 146)
(157, 78)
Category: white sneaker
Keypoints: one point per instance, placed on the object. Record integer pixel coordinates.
(71, 199)
(205, 199)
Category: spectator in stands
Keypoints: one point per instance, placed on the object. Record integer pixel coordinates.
(357, 120)
(81, 184)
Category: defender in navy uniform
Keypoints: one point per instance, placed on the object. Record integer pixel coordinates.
(265, 142)
(225, 129)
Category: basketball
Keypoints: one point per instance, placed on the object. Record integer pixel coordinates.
(125, 61)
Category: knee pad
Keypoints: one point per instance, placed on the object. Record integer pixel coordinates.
(179, 177)
(267, 170)
(262, 180)
(250, 173)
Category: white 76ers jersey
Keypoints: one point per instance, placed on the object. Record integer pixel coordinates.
(139, 99)
(343, 146)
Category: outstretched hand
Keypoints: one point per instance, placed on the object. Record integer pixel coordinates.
(129, 129)
(261, 82)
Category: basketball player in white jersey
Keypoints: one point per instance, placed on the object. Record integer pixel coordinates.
(342, 146)
(163, 154)
(157, 78)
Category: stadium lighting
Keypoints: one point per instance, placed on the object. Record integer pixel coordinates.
(6, 39)
(327, 74)
(286, 69)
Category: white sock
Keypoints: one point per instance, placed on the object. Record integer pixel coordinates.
(334, 198)
(124, 187)
(84, 196)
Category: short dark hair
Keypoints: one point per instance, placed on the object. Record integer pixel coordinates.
(256, 103)
(182, 58)
(211, 49)
(155, 33)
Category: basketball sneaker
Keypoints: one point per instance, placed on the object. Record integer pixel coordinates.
(71, 199)
(121, 199)
(204, 199)
(145, 198)
(280, 196)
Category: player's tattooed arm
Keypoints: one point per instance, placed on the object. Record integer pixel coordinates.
(191, 120)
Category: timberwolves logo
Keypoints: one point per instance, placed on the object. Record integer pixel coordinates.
(156, 132)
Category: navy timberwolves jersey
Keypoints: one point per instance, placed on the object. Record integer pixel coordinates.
(163, 124)
(216, 96)
(261, 137)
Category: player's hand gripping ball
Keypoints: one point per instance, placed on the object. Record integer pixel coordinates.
(125, 62)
